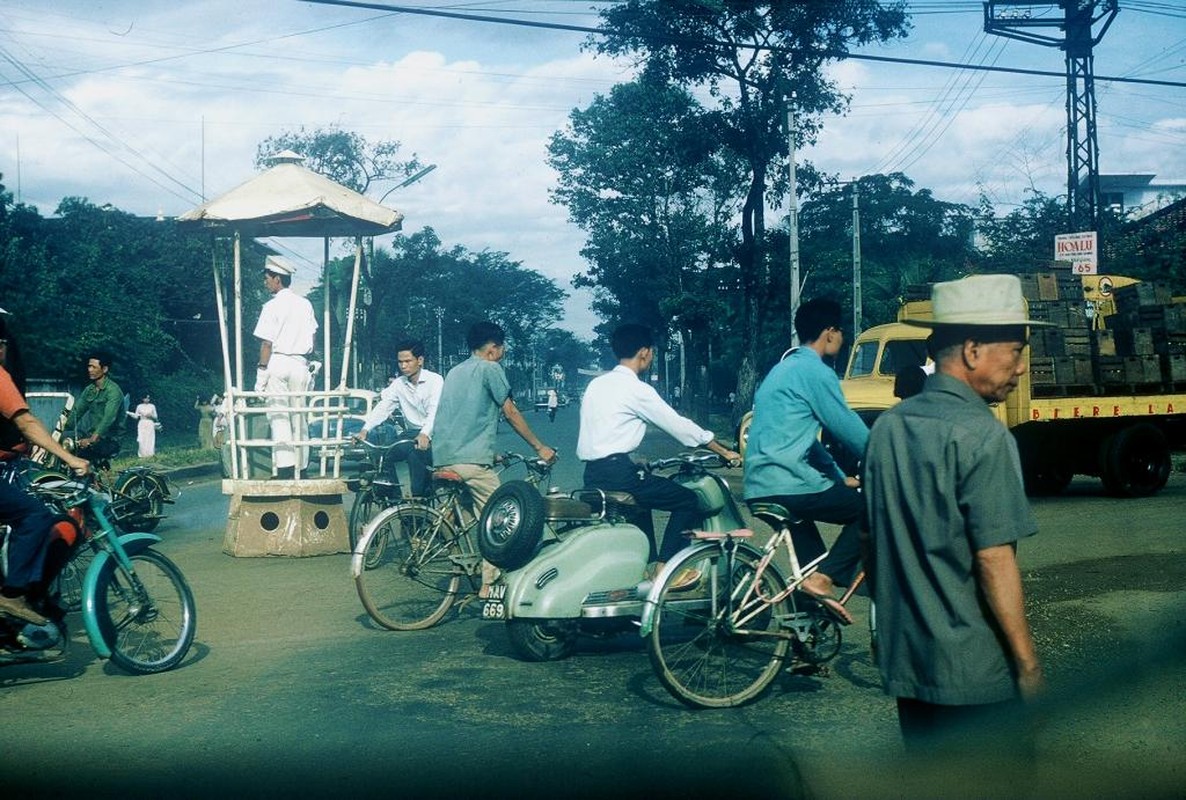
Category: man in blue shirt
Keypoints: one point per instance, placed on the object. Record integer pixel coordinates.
(785, 462)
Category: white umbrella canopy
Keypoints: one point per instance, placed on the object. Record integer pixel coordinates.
(291, 200)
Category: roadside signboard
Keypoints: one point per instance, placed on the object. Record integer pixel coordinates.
(1080, 250)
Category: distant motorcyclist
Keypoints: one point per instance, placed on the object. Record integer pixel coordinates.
(28, 519)
(615, 411)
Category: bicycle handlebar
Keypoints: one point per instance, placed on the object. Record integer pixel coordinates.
(536, 464)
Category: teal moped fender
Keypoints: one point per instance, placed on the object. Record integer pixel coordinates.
(132, 543)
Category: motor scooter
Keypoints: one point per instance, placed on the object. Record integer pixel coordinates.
(572, 564)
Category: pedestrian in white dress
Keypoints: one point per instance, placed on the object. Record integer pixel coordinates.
(146, 422)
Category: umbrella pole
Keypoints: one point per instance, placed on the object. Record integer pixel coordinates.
(325, 316)
(346, 348)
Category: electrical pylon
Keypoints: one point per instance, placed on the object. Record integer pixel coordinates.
(1083, 24)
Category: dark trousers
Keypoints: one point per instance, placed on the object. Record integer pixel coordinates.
(419, 465)
(30, 522)
(619, 474)
(839, 505)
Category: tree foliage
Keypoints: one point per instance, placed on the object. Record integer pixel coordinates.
(99, 278)
(420, 278)
(342, 156)
(907, 237)
(642, 173)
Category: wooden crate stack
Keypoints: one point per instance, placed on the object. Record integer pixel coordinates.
(1148, 338)
(1060, 357)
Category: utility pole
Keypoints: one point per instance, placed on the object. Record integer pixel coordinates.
(856, 260)
(793, 218)
(1015, 19)
(440, 365)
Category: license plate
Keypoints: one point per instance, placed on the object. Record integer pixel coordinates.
(494, 606)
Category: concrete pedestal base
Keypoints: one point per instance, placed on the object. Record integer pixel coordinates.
(285, 518)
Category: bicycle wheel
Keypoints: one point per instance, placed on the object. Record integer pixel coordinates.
(138, 504)
(410, 573)
(147, 617)
(706, 651)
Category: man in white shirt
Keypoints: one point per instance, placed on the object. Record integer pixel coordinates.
(615, 411)
(285, 329)
(416, 392)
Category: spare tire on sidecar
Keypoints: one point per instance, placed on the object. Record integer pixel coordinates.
(511, 525)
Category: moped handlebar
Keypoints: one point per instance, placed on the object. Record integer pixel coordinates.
(698, 458)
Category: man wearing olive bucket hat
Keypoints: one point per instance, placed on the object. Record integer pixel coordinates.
(946, 507)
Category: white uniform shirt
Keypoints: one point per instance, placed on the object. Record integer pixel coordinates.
(615, 411)
(417, 401)
(287, 322)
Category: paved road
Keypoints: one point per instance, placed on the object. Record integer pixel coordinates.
(290, 691)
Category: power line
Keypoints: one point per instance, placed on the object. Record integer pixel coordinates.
(824, 53)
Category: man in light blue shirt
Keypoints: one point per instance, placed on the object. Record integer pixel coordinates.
(786, 463)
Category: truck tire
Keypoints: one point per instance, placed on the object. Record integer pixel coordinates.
(1047, 480)
(1135, 461)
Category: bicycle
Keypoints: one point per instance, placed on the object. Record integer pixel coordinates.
(137, 608)
(722, 641)
(375, 488)
(409, 564)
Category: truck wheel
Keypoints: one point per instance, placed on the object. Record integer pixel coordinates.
(511, 525)
(543, 640)
(1135, 461)
(1047, 479)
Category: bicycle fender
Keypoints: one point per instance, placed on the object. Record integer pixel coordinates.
(364, 541)
(676, 563)
(131, 543)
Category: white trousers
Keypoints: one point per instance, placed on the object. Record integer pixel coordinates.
(287, 374)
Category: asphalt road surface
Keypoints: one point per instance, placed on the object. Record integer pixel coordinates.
(290, 691)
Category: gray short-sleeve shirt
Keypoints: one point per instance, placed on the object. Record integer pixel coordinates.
(467, 415)
(942, 481)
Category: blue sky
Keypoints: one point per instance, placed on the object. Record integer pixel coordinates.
(147, 105)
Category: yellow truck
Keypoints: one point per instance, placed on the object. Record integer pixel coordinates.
(1104, 393)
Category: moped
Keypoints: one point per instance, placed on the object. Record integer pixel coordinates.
(572, 563)
(136, 606)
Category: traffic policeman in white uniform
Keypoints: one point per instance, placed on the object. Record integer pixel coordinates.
(285, 329)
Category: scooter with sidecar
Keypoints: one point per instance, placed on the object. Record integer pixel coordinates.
(572, 564)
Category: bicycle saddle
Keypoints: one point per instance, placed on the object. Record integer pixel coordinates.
(773, 514)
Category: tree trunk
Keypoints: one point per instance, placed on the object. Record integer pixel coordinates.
(753, 283)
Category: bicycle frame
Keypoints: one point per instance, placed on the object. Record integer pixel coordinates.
(752, 602)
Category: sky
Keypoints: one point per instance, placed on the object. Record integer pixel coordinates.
(152, 106)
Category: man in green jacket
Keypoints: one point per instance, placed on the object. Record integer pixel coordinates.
(99, 413)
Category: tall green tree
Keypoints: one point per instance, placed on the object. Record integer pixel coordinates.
(757, 60)
(342, 156)
(640, 170)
